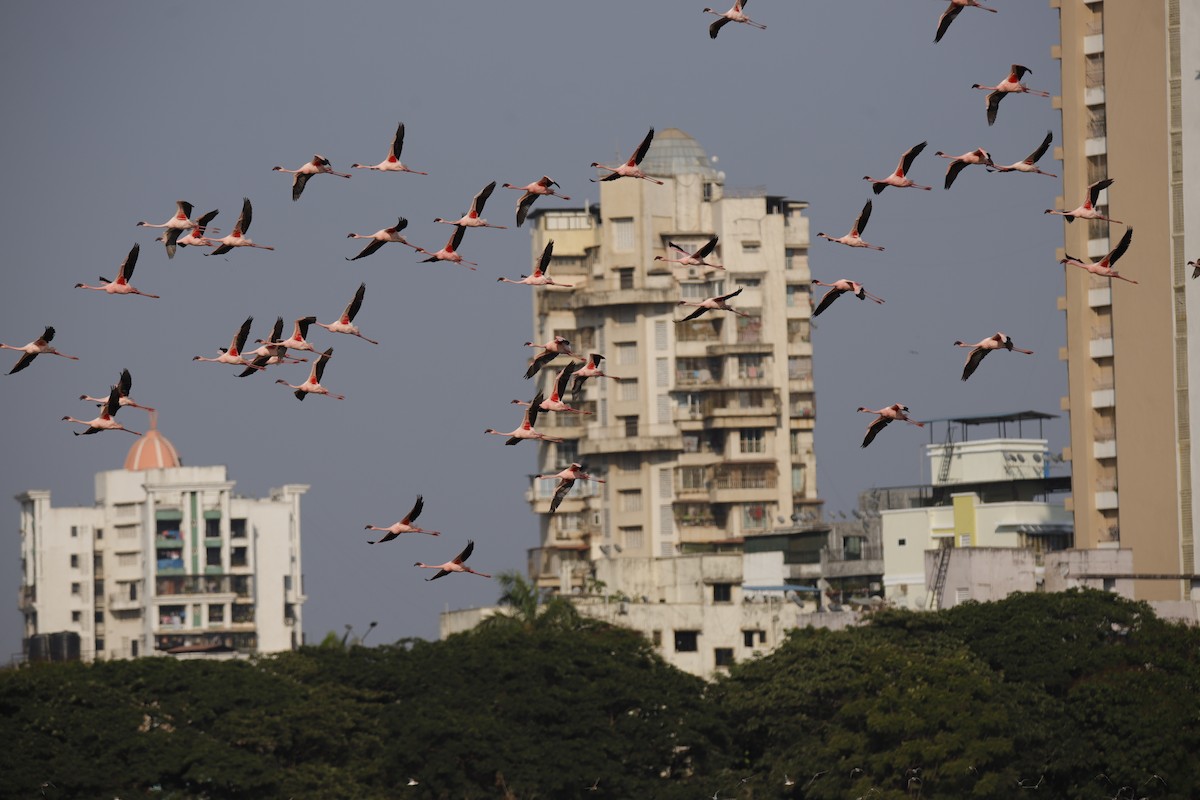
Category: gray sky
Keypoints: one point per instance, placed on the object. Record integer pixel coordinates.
(117, 110)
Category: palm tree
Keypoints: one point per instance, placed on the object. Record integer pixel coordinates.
(528, 609)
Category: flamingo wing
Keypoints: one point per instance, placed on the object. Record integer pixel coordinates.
(466, 553)
(239, 338)
(907, 159)
(397, 142)
(944, 21)
(827, 301)
(302, 324)
(538, 362)
(956, 166)
(246, 217)
(523, 206)
(277, 330)
(993, 106)
(1041, 149)
(299, 181)
(642, 148)
(564, 486)
(416, 511)
(706, 250)
(544, 262)
(481, 198)
(183, 207)
(457, 237)
(171, 240)
(202, 223)
(113, 404)
(368, 250)
(125, 383)
(131, 261)
(440, 573)
(23, 362)
(1096, 188)
(974, 358)
(47, 335)
(873, 430)
(319, 368)
(1016, 72)
(564, 375)
(532, 411)
(864, 216)
(1121, 247)
(352, 309)
(694, 314)
(259, 364)
(715, 28)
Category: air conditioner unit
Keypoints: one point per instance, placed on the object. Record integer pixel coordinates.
(693, 272)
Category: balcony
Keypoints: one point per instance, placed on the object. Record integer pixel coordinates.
(1104, 448)
(838, 562)
(120, 601)
(602, 440)
(26, 598)
(1104, 398)
(748, 347)
(1101, 348)
(1093, 43)
(1100, 298)
(739, 487)
(237, 585)
(1106, 501)
(622, 297)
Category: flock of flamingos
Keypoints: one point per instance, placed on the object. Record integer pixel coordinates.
(182, 231)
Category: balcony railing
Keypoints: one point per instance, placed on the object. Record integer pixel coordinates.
(239, 585)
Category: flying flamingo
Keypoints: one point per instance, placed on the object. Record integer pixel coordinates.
(959, 163)
(1195, 265)
(566, 479)
(270, 354)
(297, 341)
(403, 526)
(525, 430)
(555, 347)
(711, 304)
(539, 276)
(1088, 209)
(1030, 162)
(34, 349)
(1010, 85)
(837, 289)
(174, 226)
(233, 353)
(997, 341)
(472, 219)
(948, 16)
(450, 251)
(630, 168)
(532, 192)
(695, 259)
(313, 384)
(886, 415)
(899, 178)
(456, 565)
(124, 384)
(345, 324)
(318, 166)
(392, 162)
(589, 370)
(121, 284)
(382, 237)
(854, 237)
(1105, 266)
(195, 237)
(238, 237)
(105, 421)
(555, 401)
(732, 15)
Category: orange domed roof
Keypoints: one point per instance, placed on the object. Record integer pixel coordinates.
(152, 450)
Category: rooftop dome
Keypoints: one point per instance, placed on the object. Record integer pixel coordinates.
(673, 152)
(152, 450)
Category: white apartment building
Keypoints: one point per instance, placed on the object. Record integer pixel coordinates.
(168, 560)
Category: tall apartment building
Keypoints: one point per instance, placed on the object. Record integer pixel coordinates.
(1130, 109)
(167, 560)
(704, 431)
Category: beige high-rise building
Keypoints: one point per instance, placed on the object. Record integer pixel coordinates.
(1131, 111)
(703, 429)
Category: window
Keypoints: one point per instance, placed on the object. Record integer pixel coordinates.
(748, 283)
(74, 531)
(216, 613)
(751, 247)
(627, 389)
(686, 641)
(237, 528)
(568, 221)
(625, 275)
(722, 592)
(127, 559)
(694, 291)
(568, 451)
(902, 542)
(660, 335)
(656, 638)
(76, 616)
(692, 479)
(750, 367)
(133, 648)
(629, 462)
(76, 588)
(630, 500)
(74, 562)
(964, 540)
(748, 637)
(723, 656)
(627, 353)
(212, 556)
(755, 515)
(99, 533)
(622, 232)
(633, 537)
(99, 644)
(797, 478)
(631, 426)
(792, 258)
(662, 373)
(707, 191)
(751, 440)
(625, 315)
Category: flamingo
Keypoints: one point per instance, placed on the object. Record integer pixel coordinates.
(1088, 209)
(174, 226)
(1030, 162)
(1105, 266)
(269, 354)
(959, 163)
(525, 430)
(392, 162)
(34, 349)
(382, 237)
(345, 323)
(710, 304)
(591, 369)
(630, 168)
(238, 237)
(695, 259)
(124, 384)
(296, 341)
(540, 276)
(233, 353)
(837, 289)
(948, 16)
(566, 479)
(1010, 85)
(472, 219)
(854, 237)
(898, 178)
(313, 384)
(105, 421)
(450, 251)
(456, 565)
(555, 347)
(555, 401)
(195, 237)
(532, 192)
(403, 526)
(1195, 265)
(886, 416)
(318, 166)
(732, 15)
(121, 284)
(997, 341)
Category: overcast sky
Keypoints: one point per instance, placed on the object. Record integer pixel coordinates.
(115, 110)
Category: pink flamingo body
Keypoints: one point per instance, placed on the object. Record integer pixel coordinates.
(839, 288)
(718, 303)
(318, 166)
(591, 369)
(450, 251)
(1010, 85)
(233, 353)
(472, 219)
(555, 347)
(997, 341)
(313, 384)
(382, 237)
(566, 479)
(1088, 209)
(854, 237)
(886, 416)
(526, 430)
(899, 178)
(630, 168)
(955, 8)
(734, 14)
(34, 349)
(540, 276)
(124, 384)
(555, 402)
(121, 285)
(959, 163)
(238, 237)
(345, 323)
(106, 421)
(403, 526)
(533, 191)
(1105, 267)
(456, 565)
(392, 163)
(695, 259)
(1030, 162)
(194, 238)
